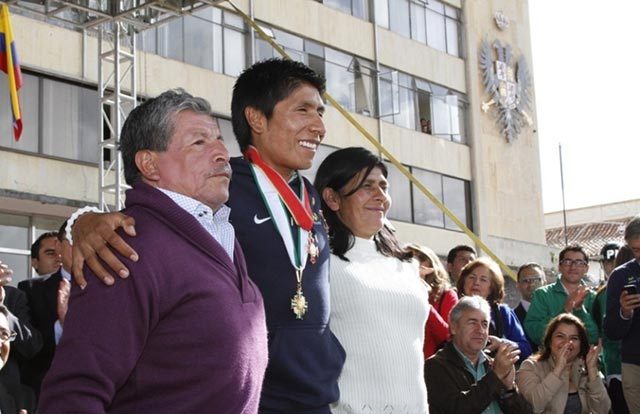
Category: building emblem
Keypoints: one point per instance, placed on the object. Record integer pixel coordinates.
(502, 21)
(509, 85)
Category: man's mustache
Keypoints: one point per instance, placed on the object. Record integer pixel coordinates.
(221, 169)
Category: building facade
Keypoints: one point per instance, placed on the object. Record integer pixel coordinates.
(408, 71)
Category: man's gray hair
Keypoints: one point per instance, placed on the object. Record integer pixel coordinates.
(150, 126)
(469, 303)
(633, 229)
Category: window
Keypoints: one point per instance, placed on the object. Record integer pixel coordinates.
(70, 116)
(455, 196)
(400, 192)
(417, 104)
(425, 212)
(356, 8)
(15, 241)
(210, 38)
(59, 119)
(350, 79)
(453, 192)
(430, 22)
(29, 97)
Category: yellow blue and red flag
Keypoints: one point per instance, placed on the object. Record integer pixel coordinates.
(9, 63)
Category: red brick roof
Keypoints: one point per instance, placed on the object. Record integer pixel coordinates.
(591, 236)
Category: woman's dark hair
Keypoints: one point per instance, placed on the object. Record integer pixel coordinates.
(567, 319)
(334, 173)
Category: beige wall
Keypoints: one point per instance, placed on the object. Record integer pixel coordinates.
(509, 185)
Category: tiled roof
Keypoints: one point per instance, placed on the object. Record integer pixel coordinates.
(591, 236)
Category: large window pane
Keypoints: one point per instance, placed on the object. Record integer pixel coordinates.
(29, 98)
(407, 114)
(69, 121)
(14, 231)
(360, 9)
(418, 23)
(342, 5)
(339, 82)
(455, 198)
(399, 17)
(198, 41)
(400, 192)
(424, 211)
(170, 42)
(218, 60)
(452, 37)
(436, 31)
(382, 13)
(364, 90)
(263, 50)
(234, 52)
(20, 264)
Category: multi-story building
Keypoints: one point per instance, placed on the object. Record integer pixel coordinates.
(408, 70)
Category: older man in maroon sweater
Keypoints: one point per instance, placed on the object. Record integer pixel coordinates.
(187, 334)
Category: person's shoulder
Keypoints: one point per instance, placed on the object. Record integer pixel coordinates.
(529, 364)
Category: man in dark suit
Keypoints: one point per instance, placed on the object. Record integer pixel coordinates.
(530, 277)
(42, 297)
(26, 344)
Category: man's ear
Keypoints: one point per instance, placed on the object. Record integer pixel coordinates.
(147, 163)
(331, 198)
(256, 119)
(34, 263)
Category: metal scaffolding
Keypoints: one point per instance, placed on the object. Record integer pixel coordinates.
(116, 24)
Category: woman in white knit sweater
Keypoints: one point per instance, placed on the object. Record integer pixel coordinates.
(379, 305)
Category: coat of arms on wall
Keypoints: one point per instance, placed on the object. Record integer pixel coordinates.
(509, 85)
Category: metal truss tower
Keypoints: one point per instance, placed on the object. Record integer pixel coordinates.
(115, 23)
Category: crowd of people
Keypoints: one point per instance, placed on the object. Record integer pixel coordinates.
(245, 288)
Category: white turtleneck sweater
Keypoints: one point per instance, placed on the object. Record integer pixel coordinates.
(379, 306)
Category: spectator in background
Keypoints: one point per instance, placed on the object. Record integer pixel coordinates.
(610, 348)
(569, 294)
(458, 258)
(45, 256)
(563, 376)
(26, 344)
(442, 297)
(482, 277)
(42, 297)
(622, 318)
(425, 126)
(530, 277)
(7, 404)
(461, 379)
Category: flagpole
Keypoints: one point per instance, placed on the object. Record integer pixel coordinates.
(564, 209)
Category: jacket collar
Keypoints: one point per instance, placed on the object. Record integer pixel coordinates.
(450, 354)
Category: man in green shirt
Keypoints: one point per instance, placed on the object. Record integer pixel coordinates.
(569, 294)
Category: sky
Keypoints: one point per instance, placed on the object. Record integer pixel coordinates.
(586, 71)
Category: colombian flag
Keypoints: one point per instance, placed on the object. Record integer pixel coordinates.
(9, 64)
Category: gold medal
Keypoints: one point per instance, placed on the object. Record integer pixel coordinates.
(299, 304)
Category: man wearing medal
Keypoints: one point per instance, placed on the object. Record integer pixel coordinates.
(277, 113)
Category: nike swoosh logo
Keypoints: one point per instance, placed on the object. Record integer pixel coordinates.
(260, 221)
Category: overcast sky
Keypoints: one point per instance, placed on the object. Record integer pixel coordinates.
(586, 68)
